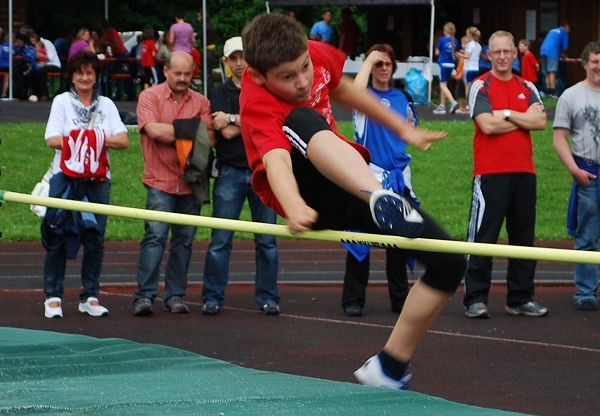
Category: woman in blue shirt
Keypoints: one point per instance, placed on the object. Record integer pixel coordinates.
(446, 49)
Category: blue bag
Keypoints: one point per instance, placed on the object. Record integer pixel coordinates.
(416, 85)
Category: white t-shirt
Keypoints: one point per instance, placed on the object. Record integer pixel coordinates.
(472, 63)
(63, 118)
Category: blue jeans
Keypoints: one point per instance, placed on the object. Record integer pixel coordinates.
(586, 238)
(153, 244)
(55, 263)
(230, 190)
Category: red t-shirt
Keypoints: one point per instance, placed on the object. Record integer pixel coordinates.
(113, 39)
(263, 115)
(528, 63)
(148, 49)
(502, 153)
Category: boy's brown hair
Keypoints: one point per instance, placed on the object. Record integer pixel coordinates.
(272, 39)
(525, 42)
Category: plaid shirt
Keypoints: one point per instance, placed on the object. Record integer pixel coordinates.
(161, 166)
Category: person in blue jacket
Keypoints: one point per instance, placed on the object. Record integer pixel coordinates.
(390, 165)
(554, 46)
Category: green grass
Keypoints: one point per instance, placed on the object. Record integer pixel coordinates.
(441, 178)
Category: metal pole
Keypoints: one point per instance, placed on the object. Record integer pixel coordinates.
(431, 46)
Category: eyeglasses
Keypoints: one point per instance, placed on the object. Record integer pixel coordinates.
(381, 63)
(505, 52)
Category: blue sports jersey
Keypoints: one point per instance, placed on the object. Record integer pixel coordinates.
(447, 47)
(387, 150)
(556, 41)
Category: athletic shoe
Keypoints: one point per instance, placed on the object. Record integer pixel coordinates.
(372, 374)
(211, 309)
(393, 214)
(271, 308)
(53, 311)
(477, 310)
(586, 305)
(175, 305)
(528, 309)
(353, 310)
(142, 307)
(92, 310)
(454, 107)
(440, 109)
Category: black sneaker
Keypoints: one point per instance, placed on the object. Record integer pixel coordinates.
(271, 308)
(211, 309)
(142, 307)
(587, 305)
(353, 310)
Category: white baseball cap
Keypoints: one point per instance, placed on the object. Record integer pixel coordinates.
(232, 45)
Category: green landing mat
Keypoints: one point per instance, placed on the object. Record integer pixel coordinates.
(51, 373)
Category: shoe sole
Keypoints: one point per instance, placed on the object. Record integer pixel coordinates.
(210, 312)
(413, 224)
(484, 315)
(179, 309)
(514, 312)
(143, 312)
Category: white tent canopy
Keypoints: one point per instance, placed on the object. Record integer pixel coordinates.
(294, 3)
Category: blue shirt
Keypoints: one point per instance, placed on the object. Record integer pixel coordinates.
(556, 41)
(447, 46)
(387, 150)
(4, 54)
(484, 64)
(323, 29)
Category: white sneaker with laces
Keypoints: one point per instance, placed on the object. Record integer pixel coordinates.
(53, 311)
(439, 110)
(371, 374)
(92, 310)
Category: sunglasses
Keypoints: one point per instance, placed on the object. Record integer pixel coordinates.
(381, 63)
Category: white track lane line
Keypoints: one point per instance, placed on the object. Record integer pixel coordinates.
(431, 331)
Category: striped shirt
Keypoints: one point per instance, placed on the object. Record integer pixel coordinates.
(161, 165)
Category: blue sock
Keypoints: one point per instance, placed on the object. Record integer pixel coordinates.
(391, 366)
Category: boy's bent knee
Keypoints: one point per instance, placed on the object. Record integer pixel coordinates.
(446, 274)
(301, 125)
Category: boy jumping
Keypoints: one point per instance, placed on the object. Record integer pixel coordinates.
(316, 179)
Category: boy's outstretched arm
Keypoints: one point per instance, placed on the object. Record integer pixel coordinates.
(351, 96)
(299, 216)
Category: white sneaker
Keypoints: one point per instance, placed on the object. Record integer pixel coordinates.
(33, 98)
(439, 110)
(371, 374)
(53, 312)
(92, 310)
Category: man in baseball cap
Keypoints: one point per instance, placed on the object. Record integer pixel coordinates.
(231, 188)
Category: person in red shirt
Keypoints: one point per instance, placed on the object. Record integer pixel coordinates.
(157, 110)
(529, 63)
(505, 109)
(149, 51)
(112, 38)
(316, 179)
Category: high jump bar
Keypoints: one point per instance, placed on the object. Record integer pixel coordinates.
(375, 240)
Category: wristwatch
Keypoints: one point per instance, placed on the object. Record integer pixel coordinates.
(231, 118)
(506, 114)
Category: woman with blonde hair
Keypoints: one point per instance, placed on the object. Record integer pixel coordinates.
(471, 54)
(445, 50)
(83, 40)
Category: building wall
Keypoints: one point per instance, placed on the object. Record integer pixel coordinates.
(407, 27)
(19, 14)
